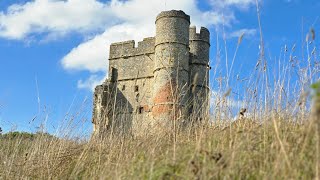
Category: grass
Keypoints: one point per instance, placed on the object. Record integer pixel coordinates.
(241, 150)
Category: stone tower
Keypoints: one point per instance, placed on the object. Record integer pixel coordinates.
(199, 71)
(164, 79)
(171, 70)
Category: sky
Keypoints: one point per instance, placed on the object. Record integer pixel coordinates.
(54, 52)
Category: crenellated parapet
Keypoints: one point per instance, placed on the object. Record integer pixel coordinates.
(203, 36)
(127, 48)
(199, 44)
(127, 62)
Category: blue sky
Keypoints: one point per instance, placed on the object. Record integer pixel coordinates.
(52, 52)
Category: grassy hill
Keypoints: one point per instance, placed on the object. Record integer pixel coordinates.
(244, 149)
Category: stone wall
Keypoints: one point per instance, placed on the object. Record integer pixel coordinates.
(132, 62)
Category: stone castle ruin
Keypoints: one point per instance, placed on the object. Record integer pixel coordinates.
(165, 79)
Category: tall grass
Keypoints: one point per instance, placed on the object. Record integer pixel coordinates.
(277, 149)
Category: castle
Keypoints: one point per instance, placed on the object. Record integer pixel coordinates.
(165, 79)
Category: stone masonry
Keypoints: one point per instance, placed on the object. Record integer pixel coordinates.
(163, 80)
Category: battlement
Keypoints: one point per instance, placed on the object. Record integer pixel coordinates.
(173, 13)
(204, 34)
(127, 48)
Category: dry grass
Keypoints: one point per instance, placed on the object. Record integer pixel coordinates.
(276, 149)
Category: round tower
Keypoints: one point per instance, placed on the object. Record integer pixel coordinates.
(199, 71)
(171, 70)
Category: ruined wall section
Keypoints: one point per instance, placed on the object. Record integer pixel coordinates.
(97, 107)
(199, 70)
(101, 107)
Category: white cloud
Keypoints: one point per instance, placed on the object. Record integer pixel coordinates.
(225, 4)
(219, 99)
(93, 54)
(54, 16)
(245, 32)
(91, 82)
(228, 106)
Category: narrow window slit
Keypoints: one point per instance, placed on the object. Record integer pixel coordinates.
(141, 110)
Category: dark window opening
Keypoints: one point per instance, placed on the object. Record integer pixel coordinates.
(141, 110)
(114, 74)
(124, 87)
(191, 109)
(136, 88)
